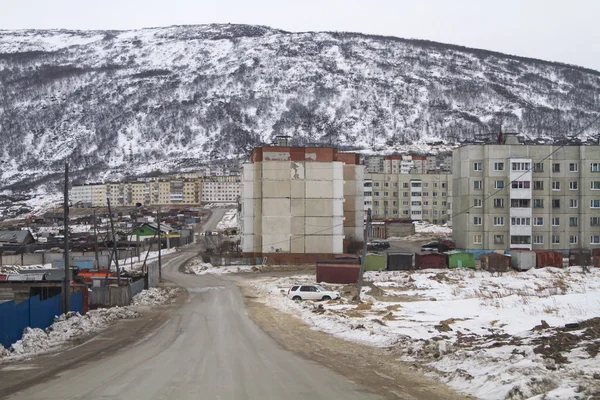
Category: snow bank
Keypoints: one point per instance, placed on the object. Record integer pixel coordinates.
(197, 267)
(65, 328)
(491, 337)
(155, 296)
(229, 220)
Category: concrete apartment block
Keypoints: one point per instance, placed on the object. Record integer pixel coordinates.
(514, 196)
(297, 203)
(420, 197)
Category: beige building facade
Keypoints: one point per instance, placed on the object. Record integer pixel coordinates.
(420, 197)
(300, 204)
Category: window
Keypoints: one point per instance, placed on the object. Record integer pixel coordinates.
(498, 203)
(595, 167)
(538, 203)
(498, 166)
(416, 194)
(594, 221)
(555, 185)
(555, 203)
(443, 186)
(435, 212)
(405, 212)
(415, 184)
(376, 203)
(425, 203)
(498, 184)
(594, 203)
(395, 212)
(376, 184)
(573, 203)
(405, 203)
(538, 221)
(538, 185)
(520, 203)
(434, 184)
(555, 239)
(385, 203)
(415, 212)
(555, 221)
(404, 194)
(520, 221)
(595, 239)
(595, 185)
(435, 203)
(375, 193)
(498, 221)
(556, 167)
(476, 220)
(386, 194)
(478, 166)
(443, 194)
(520, 166)
(434, 194)
(520, 240)
(538, 167)
(573, 185)
(538, 239)
(425, 185)
(387, 184)
(395, 184)
(477, 185)
(395, 194)
(444, 203)
(426, 194)
(477, 202)
(573, 167)
(498, 239)
(477, 239)
(425, 212)
(405, 185)
(521, 184)
(415, 203)
(573, 221)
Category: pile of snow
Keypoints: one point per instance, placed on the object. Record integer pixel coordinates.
(155, 296)
(197, 267)
(65, 328)
(219, 205)
(426, 227)
(482, 335)
(229, 220)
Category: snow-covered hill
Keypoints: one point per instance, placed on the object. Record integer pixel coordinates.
(163, 98)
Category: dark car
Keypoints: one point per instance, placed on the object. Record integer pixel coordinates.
(378, 245)
(431, 246)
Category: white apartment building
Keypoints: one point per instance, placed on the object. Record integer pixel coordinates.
(514, 196)
(221, 190)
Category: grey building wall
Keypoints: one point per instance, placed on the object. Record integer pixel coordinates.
(560, 191)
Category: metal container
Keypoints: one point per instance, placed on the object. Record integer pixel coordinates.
(431, 260)
(399, 261)
(337, 272)
(523, 260)
(547, 258)
(580, 257)
(495, 262)
(597, 261)
(460, 259)
(375, 262)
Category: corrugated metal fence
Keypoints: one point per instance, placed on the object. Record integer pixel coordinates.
(32, 312)
(136, 287)
(110, 296)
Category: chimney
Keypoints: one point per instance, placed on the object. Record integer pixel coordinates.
(282, 140)
(511, 138)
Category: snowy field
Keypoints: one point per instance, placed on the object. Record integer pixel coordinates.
(491, 337)
(424, 230)
(73, 326)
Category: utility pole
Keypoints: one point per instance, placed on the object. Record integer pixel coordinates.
(66, 289)
(363, 259)
(114, 237)
(96, 242)
(159, 245)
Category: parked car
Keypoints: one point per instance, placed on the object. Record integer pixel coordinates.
(311, 292)
(378, 245)
(431, 246)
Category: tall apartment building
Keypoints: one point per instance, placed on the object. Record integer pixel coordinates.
(404, 164)
(171, 192)
(420, 197)
(301, 203)
(513, 196)
(221, 189)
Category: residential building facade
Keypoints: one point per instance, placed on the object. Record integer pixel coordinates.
(420, 197)
(221, 189)
(300, 204)
(513, 196)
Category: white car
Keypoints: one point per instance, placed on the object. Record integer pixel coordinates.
(311, 292)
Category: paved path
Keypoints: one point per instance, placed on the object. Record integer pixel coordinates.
(208, 349)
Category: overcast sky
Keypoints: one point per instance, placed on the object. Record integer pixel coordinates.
(555, 30)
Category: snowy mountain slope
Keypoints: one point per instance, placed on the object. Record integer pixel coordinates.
(113, 102)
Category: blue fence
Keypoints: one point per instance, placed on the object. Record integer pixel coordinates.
(33, 312)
